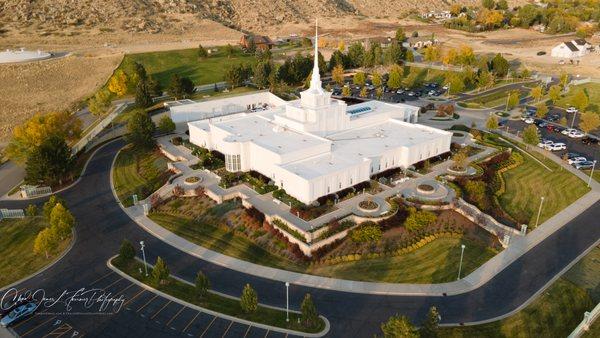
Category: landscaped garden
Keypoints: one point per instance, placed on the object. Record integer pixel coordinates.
(138, 172)
(492, 100)
(17, 237)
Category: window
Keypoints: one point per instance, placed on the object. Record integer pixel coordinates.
(232, 163)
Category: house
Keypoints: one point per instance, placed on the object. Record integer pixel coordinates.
(383, 41)
(316, 145)
(438, 15)
(261, 42)
(420, 42)
(572, 49)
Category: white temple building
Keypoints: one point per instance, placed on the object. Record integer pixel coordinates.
(314, 146)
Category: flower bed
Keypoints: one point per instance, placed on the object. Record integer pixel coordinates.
(192, 180)
(425, 188)
(368, 205)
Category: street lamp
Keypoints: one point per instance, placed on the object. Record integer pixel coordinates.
(287, 301)
(591, 174)
(462, 252)
(573, 122)
(144, 256)
(539, 212)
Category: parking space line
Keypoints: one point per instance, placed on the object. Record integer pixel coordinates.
(130, 285)
(151, 299)
(59, 331)
(35, 328)
(134, 297)
(208, 327)
(164, 306)
(175, 316)
(190, 323)
(111, 284)
(248, 330)
(101, 278)
(266, 334)
(227, 330)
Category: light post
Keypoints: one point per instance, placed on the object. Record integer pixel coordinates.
(591, 174)
(144, 256)
(462, 252)
(573, 122)
(539, 212)
(287, 301)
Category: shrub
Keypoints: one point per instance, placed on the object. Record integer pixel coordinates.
(419, 219)
(160, 272)
(249, 299)
(166, 125)
(127, 251)
(202, 285)
(178, 191)
(367, 232)
(31, 210)
(177, 140)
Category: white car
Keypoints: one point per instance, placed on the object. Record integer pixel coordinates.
(557, 147)
(545, 143)
(572, 110)
(576, 134)
(567, 131)
(575, 160)
(528, 120)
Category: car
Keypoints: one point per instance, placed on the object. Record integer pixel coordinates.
(558, 129)
(572, 110)
(543, 124)
(531, 109)
(432, 93)
(561, 62)
(540, 53)
(576, 134)
(553, 117)
(528, 120)
(411, 93)
(589, 141)
(550, 127)
(576, 160)
(566, 131)
(399, 91)
(445, 87)
(556, 147)
(7, 307)
(545, 143)
(370, 87)
(18, 314)
(584, 165)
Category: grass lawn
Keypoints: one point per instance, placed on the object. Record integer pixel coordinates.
(436, 262)
(220, 240)
(139, 173)
(556, 312)
(217, 302)
(529, 181)
(596, 174)
(222, 94)
(493, 100)
(185, 62)
(593, 91)
(16, 248)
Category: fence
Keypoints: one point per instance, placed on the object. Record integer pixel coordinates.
(11, 213)
(90, 135)
(28, 191)
(588, 320)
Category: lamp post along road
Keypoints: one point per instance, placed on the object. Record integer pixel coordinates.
(144, 257)
(537, 221)
(287, 301)
(591, 174)
(462, 252)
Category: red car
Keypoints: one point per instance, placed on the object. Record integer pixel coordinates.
(550, 127)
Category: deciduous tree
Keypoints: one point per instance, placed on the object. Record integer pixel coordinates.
(581, 100)
(395, 79)
(492, 122)
(542, 110)
(118, 83)
(430, 326)
(166, 124)
(45, 242)
(249, 299)
(554, 93)
(589, 121)
(49, 163)
(399, 327)
(100, 102)
(530, 135)
(537, 92)
(337, 74)
(359, 79)
(377, 79)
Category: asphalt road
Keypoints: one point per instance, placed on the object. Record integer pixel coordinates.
(102, 225)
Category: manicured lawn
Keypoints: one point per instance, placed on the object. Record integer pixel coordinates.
(220, 240)
(163, 65)
(493, 100)
(556, 312)
(16, 248)
(217, 302)
(222, 94)
(593, 91)
(529, 181)
(436, 262)
(596, 175)
(139, 173)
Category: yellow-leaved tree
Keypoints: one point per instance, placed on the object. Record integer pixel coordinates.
(118, 83)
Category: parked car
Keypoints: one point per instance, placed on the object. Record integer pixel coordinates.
(589, 141)
(7, 307)
(528, 120)
(567, 131)
(399, 91)
(545, 143)
(411, 93)
(556, 147)
(553, 117)
(558, 129)
(550, 127)
(572, 110)
(584, 165)
(540, 53)
(578, 159)
(18, 314)
(576, 134)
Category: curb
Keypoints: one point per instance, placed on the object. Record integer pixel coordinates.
(218, 314)
(56, 260)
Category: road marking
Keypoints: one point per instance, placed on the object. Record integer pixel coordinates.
(202, 335)
(101, 278)
(177, 314)
(266, 334)
(134, 297)
(59, 331)
(111, 284)
(190, 323)
(164, 306)
(130, 285)
(227, 330)
(37, 326)
(151, 299)
(248, 330)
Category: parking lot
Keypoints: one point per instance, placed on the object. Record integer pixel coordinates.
(162, 317)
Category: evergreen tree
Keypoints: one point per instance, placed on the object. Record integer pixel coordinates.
(155, 87)
(393, 54)
(429, 329)
(166, 125)
(249, 299)
(399, 327)
(400, 35)
(143, 97)
(356, 53)
(127, 251)
(140, 130)
(140, 72)
(261, 73)
(180, 87)
(310, 316)
(160, 272)
(202, 52)
(49, 163)
(500, 66)
(202, 285)
(337, 59)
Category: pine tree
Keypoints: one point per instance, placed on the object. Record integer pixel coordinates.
(249, 299)
(127, 251)
(310, 316)
(202, 52)
(160, 272)
(429, 329)
(141, 129)
(143, 98)
(49, 163)
(166, 124)
(202, 285)
(399, 327)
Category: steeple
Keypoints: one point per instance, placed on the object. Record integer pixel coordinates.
(315, 80)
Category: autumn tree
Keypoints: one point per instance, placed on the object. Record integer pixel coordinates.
(100, 102)
(363, 92)
(377, 79)
(249, 299)
(50, 204)
(395, 79)
(61, 221)
(119, 83)
(455, 83)
(530, 135)
(513, 99)
(581, 100)
(45, 242)
(485, 79)
(589, 121)
(337, 74)
(554, 93)
(49, 163)
(460, 160)
(359, 79)
(399, 327)
(37, 129)
(537, 93)
(542, 110)
(346, 91)
(432, 53)
(492, 122)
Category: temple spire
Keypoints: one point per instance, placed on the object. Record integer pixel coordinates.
(315, 80)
